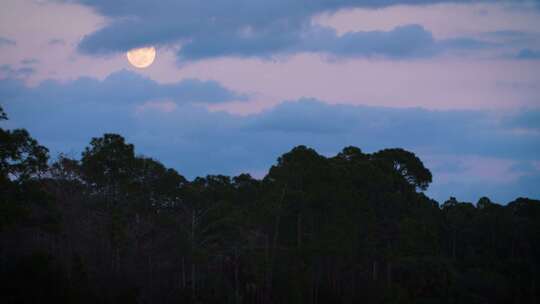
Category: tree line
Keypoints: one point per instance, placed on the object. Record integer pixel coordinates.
(117, 227)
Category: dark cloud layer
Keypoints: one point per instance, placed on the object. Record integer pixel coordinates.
(197, 142)
(258, 28)
(7, 42)
(408, 41)
(528, 54)
(526, 119)
(121, 88)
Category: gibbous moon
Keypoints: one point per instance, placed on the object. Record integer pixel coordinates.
(142, 57)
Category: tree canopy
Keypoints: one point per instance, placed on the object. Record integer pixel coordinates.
(114, 226)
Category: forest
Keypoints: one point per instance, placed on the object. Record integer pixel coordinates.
(112, 226)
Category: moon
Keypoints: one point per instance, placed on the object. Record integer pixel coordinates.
(141, 57)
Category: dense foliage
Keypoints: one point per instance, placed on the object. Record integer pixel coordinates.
(114, 227)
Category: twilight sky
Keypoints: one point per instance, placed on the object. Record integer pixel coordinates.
(237, 83)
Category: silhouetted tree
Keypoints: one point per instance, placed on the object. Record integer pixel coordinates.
(407, 165)
(114, 227)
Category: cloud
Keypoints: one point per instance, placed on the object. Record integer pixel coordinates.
(254, 28)
(528, 54)
(7, 42)
(57, 41)
(406, 41)
(162, 106)
(74, 111)
(315, 118)
(124, 87)
(525, 119)
(512, 36)
(29, 61)
(8, 71)
(196, 141)
(450, 131)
